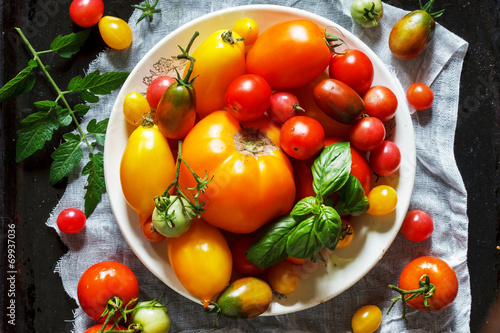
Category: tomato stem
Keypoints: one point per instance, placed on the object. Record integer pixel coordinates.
(334, 41)
(370, 14)
(426, 290)
(186, 81)
(428, 7)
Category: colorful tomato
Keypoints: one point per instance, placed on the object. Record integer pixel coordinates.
(339, 101)
(302, 137)
(157, 88)
(219, 60)
(303, 180)
(367, 133)
(420, 96)
(380, 102)
(96, 328)
(289, 54)
(71, 220)
(296, 261)
(241, 264)
(366, 319)
(86, 13)
(242, 159)
(115, 32)
(248, 29)
(103, 281)
(367, 13)
(347, 235)
(152, 317)
(284, 105)
(135, 107)
(248, 97)
(201, 260)
(354, 68)
(175, 219)
(417, 225)
(284, 277)
(149, 232)
(146, 169)
(385, 159)
(247, 297)
(383, 200)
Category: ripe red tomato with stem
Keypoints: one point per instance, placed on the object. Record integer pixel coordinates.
(248, 97)
(240, 262)
(426, 284)
(420, 96)
(157, 88)
(284, 105)
(86, 13)
(385, 160)
(71, 220)
(417, 225)
(302, 137)
(367, 133)
(380, 102)
(354, 68)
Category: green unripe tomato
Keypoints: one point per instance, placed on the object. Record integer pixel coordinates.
(153, 318)
(367, 13)
(174, 222)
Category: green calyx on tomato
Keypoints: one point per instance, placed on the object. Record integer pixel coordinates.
(367, 13)
(314, 223)
(228, 37)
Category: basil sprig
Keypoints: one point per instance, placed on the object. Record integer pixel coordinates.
(313, 224)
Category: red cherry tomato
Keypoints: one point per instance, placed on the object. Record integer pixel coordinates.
(385, 160)
(354, 68)
(71, 220)
(86, 13)
(240, 262)
(417, 225)
(380, 102)
(96, 328)
(303, 180)
(367, 133)
(420, 96)
(283, 106)
(150, 233)
(248, 97)
(101, 282)
(302, 137)
(296, 261)
(157, 88)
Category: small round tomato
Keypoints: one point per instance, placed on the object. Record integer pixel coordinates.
(71, 220)
(382, 199)
(135, 107)
(296, 261)
(417, 225)
(86, 13)
(347, 235)
(354, 68)
(284, 277)
(157, 88)
(284, 105)
(248, 29)
(420, 96)
(96, 328)
(380, 102)
(115, 32)
(302, 137)
(152, 316)
(248, 97)
(103, 281)
(367, 133)
(149, 232)
(385, 160)
(366, 319)
(240, 262)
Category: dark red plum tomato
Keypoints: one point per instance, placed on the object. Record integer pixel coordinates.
(385, 160)
(380, 102)
(283, 106)
(157, 88)
(239, 253)
(354, 68)
(367, 133)
(302, 137)
(420, 96)
(71, 220)
(248, 97)
(417, 225)
(86, 13)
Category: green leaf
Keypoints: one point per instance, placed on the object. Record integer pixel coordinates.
(70, 44)
(89, 97)
(328, 227)
(34, 117)
(74, 83)
(95, 182)
(331, 168)
(305, 207)
(45, 105)
(65, 158)
(64, 116)
(269, 247)
(98, 129)
(22, 82)
(98, 84)
(302, 241)
(33, 137)
(353, 200)
(81, 109)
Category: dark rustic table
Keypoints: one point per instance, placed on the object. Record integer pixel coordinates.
(27, 198)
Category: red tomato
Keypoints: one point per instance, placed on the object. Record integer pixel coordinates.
(367, 133)
(102, 281)
(296, 261)
(96, 328)
(385, 160)
(240, 262)
(417, 225)
(86, 13)
(283, 106)
(248, 97)
(302, 137)
(354, 68)
(150, 233)
(440, 274)
(380, 102)
(289, 54)
(157, 88)
(303, 180)
(71, 220)
(420, 96)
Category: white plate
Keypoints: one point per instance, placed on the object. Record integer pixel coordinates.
(345, 266)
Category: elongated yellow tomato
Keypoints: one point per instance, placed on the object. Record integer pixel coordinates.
(115, 32)
(201, 260)
(219, 60)
(147, 168)
(252, 178)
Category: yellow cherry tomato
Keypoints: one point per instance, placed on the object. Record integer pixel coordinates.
(367, 319)
(383, 200)
(284, 277)
(146, 169)
(135, 107)
(201, 260)
(348, 237)
(219, 60)
(248, 29)
(115, 32)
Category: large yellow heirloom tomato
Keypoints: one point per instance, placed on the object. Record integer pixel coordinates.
(146, 169)
(252, 178)
(201, 260)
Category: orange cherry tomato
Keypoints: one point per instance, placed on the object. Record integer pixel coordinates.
(284, 277)
(348, 237)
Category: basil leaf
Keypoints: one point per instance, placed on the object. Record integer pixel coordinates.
(302, 241)
(95, 182)
(269, 247)
(22, 82)
(305, 207)
(331, 168)
(328, 227)
(33, 137)
(353, 200)
(66, 157)
(67, 46)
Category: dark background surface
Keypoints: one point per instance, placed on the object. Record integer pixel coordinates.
(27, 198)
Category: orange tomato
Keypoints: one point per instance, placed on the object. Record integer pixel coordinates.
(201, 260)
(252, 178)
(348, 237)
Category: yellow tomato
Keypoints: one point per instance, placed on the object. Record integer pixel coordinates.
(284, 277)
(201, 260)
(252, 178)
(135, 107)
(147, 168)
(348, 237)
(367, 319)
(219, 60)
(383, 200)
(247, 28)
(115, 32)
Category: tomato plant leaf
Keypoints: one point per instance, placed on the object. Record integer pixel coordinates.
(34, 117)
(98, 129)
(89, 97)
(81, 109)
(45, 105)
(97, 83)
(68, 45)
(32, 137)
(353, 200)
(302, 241)
(63, 116)
(65, 158)
(305, 207)
(95, 182)
(22, 82)
(331, 168)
